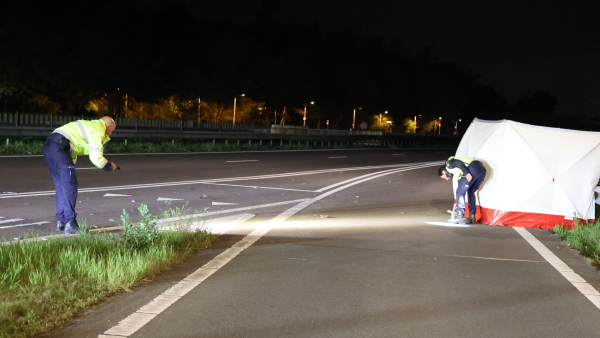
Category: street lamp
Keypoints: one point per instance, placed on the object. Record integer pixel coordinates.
(456, 127)
(234, 98)
(311, 102)
(380, 117)
(354, 117)
(440, 127)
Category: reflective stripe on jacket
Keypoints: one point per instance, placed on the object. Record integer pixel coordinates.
(458, 166)
(87, 138)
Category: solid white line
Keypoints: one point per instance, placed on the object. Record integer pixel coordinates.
(256, 187)
(241, 161)
(22, 225)
(497, 259)
(378, 172)
(578, 282)
(338, 157)
(169, 184)
(11, 220)
(145, 314)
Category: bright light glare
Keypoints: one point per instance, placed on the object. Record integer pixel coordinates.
(312, 102)
(445, 224)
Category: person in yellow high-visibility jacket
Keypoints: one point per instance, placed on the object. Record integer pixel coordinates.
(61, 150)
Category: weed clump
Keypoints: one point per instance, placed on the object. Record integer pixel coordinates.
(584, 237)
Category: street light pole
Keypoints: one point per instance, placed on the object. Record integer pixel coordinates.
(311, 102)
(234, 98)
(353, 118)
(440, 127)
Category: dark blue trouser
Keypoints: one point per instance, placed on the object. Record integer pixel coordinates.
(478, 172)
(57, 155)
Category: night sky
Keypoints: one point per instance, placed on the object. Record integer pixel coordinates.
(517, 45)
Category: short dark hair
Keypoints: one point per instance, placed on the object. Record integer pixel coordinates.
(442, 170)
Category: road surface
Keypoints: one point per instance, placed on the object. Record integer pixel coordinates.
(317, 244)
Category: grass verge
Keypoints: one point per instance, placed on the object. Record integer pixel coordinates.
(583, 237)
(34, 147)
(44, 283)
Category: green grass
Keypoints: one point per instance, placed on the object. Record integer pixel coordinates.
(33, 147)
(45, 282)
(583, 237)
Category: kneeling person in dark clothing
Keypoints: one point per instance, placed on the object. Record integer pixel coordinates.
(470, 175)
(61, 150)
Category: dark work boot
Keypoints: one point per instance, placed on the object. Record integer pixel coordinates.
(72, 227)
(60, 226)
(458, 219)
(470, 219)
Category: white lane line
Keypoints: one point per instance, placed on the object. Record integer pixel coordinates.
(11, 220)
(497, 259)
(22, 225)
(377, 172)
(223, 203)
(256, 187)
(243, 178)
(578, 282)
(241, 161)
(169, 199)
(338, 157)
(145, 314)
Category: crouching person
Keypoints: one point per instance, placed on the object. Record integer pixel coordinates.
(470, 175)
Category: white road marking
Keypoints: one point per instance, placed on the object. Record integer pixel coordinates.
(241, 161)
(22, 225)
(246, 178)
(115, 195)
(257, 187)
(145, 314)
(169, 199)
(11, 220)
(223, 203)
(217, 226)
(578, 282)
(446, 224)
(338, 157)
(1, 217)
(497, 259)
(375, 173)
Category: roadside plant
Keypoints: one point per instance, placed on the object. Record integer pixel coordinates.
(141, 237)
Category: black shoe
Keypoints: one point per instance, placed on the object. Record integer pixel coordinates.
(470, 219)
(72, 227)
(60, 226)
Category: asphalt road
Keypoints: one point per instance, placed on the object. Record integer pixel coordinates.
(317, 244)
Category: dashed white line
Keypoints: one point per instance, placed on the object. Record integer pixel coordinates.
(241, 161)
(22, 225)
(578, 282)
(11, 220)
(145, 314)
(338, 157)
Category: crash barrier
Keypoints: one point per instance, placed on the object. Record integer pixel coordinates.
(55, 121)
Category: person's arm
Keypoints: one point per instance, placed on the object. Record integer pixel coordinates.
(96, 153)
(458, 168)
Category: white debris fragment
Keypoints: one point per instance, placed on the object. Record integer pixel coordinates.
(132, 200)
(169, 199)
(204, 196)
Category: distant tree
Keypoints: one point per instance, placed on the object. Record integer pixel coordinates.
(540, 103)
(409, 125)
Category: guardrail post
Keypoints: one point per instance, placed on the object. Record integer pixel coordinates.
(126, 142)
(17, 120)
(281, 143)
(238, 142)
(214, 142)
(249, 142)
(173, 142)
(225, 142)
(329, 143)
(7, 142)
(290, 143)
(271, 142)
(260, 143)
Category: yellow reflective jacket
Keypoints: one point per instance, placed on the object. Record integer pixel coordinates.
(87, 138)
(458, 166)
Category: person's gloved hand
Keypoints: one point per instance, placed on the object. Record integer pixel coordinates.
(469, 177)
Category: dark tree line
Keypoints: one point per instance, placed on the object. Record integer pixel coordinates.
(56, 56)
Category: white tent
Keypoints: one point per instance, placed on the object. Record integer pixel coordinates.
(537, 176)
